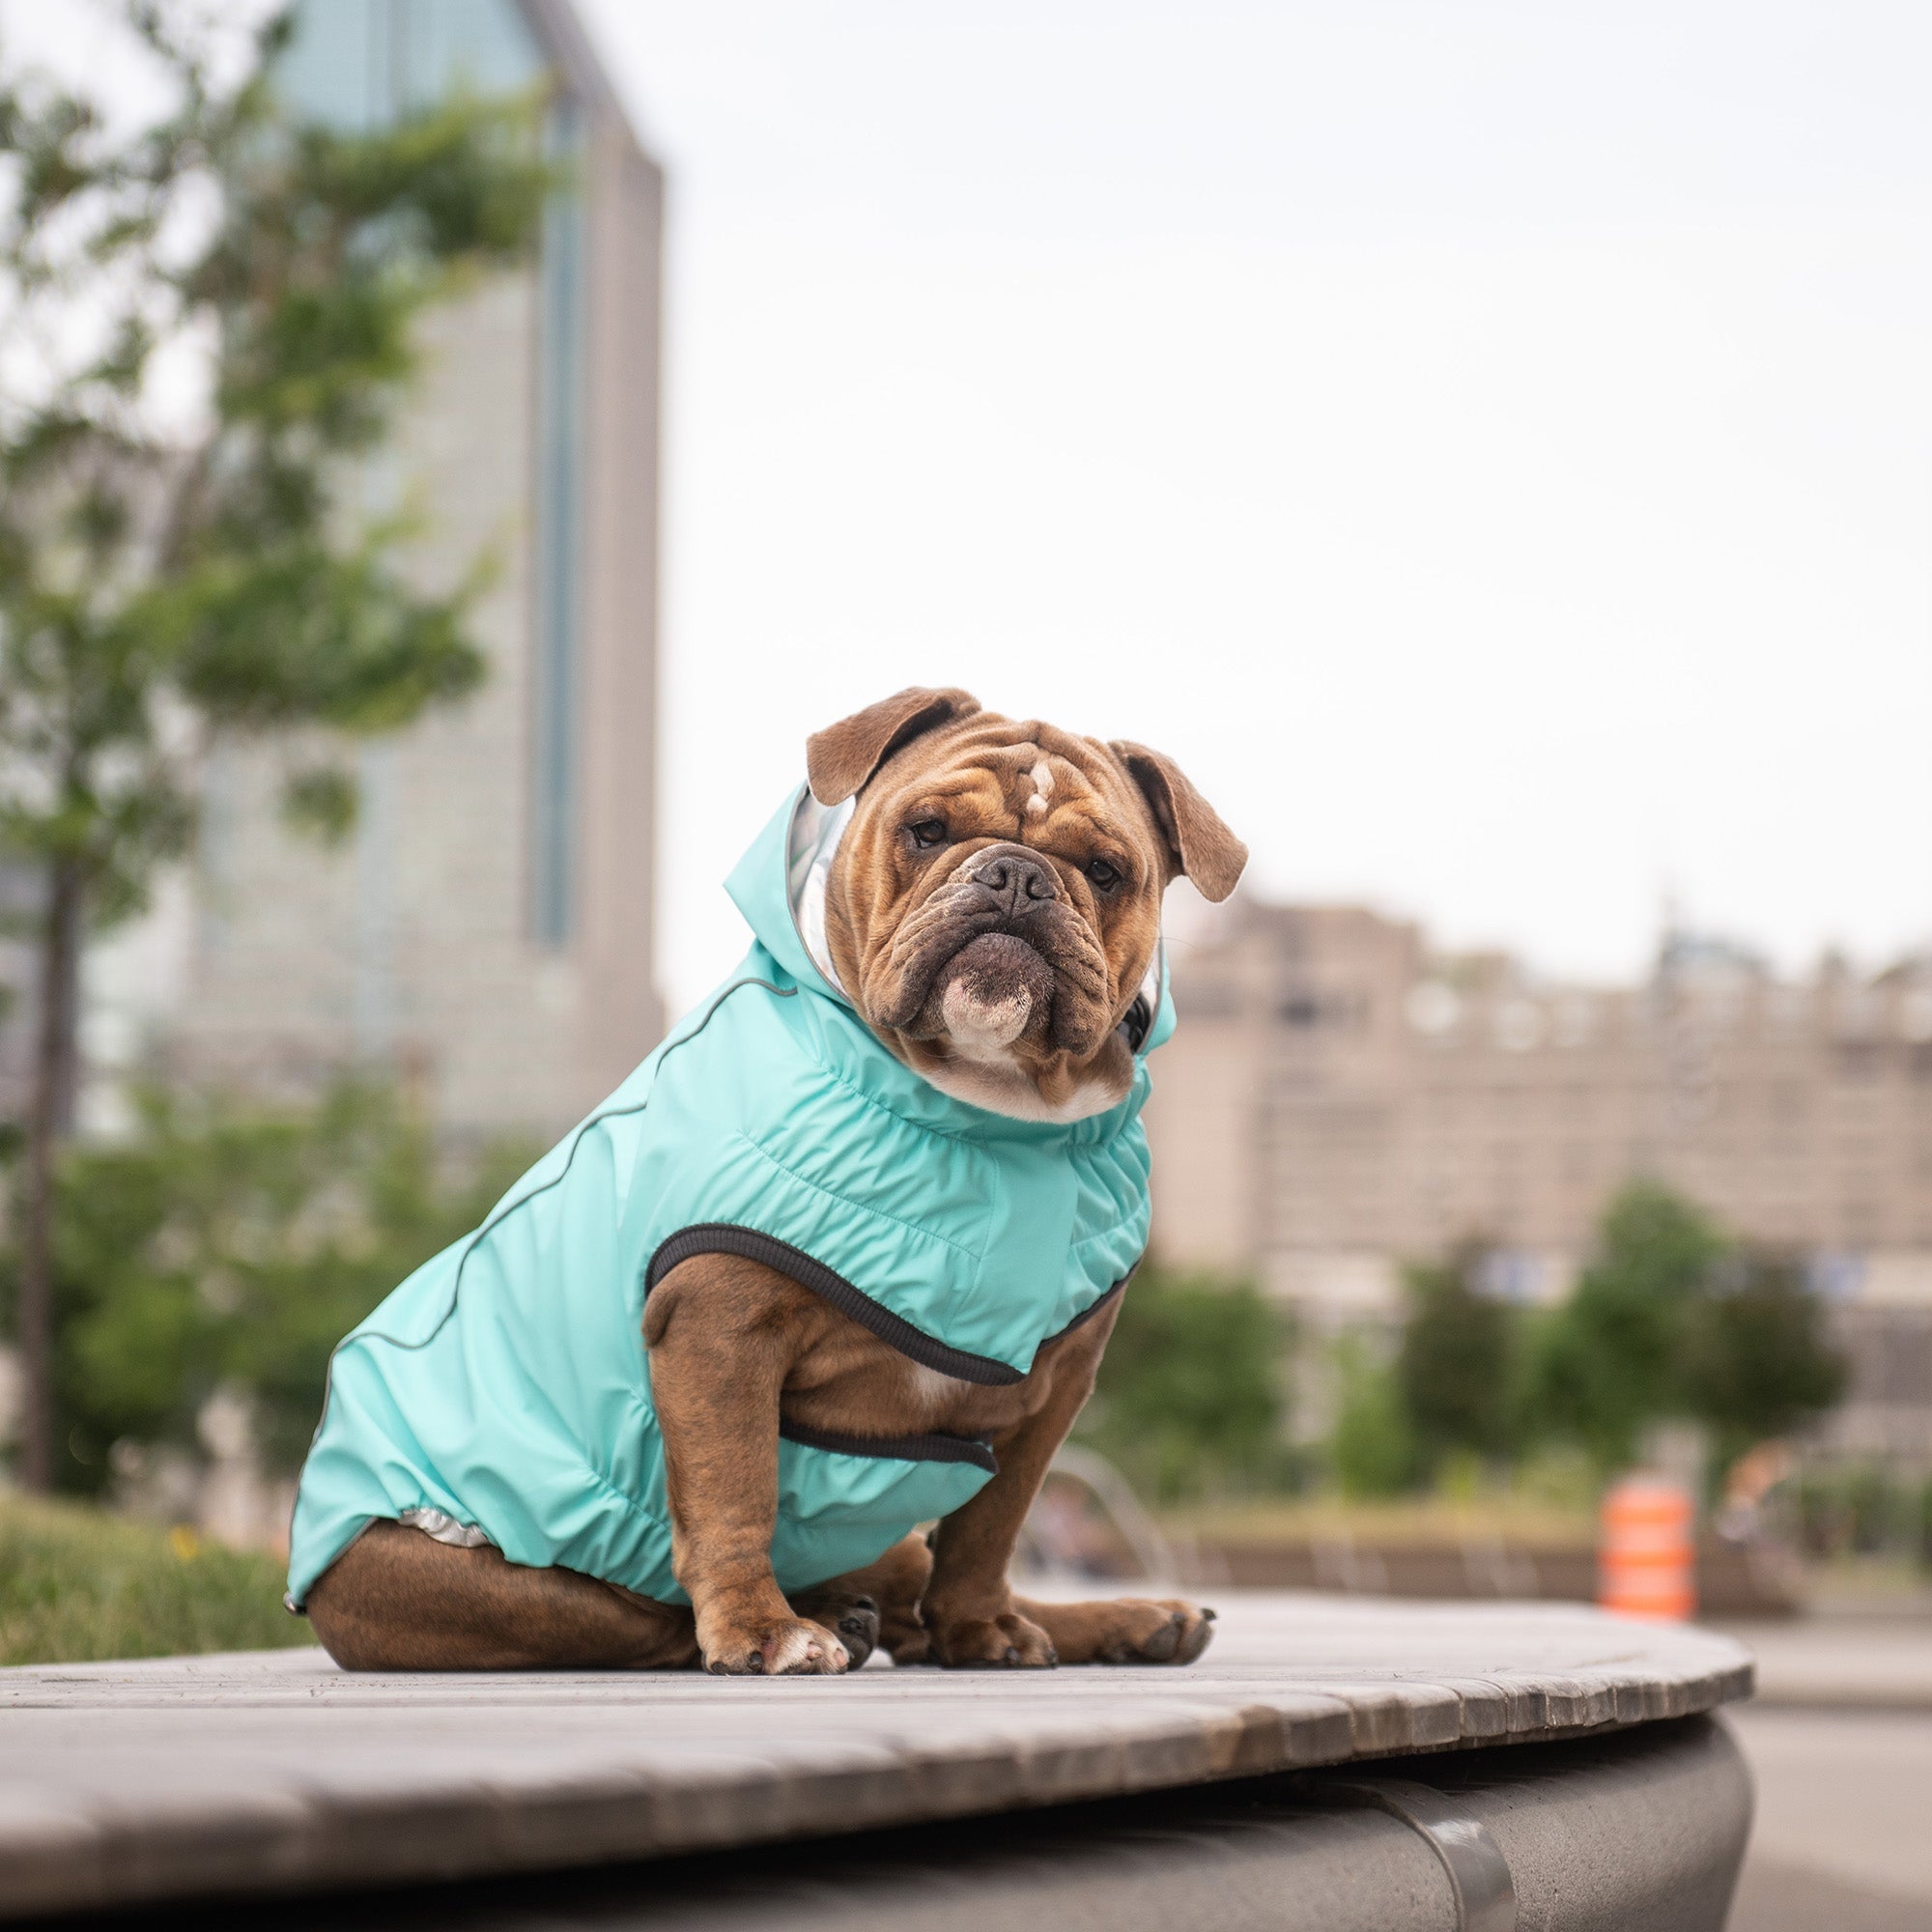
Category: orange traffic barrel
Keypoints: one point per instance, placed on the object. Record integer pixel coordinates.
(1646, 1551)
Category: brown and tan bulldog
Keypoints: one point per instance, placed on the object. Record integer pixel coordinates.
(992, 910)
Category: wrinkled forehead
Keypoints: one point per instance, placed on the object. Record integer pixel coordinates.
(1005, 765)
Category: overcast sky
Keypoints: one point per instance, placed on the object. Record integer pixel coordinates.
(1489, 445)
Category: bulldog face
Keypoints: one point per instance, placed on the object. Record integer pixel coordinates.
(995, 902)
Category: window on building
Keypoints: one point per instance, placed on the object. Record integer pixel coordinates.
(362, 64)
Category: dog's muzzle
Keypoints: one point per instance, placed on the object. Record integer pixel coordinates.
(812, 843)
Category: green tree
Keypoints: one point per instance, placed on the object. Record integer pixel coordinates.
(1189, 1394)
(1372, 1443)
(1458, 1368)
(224, 1248)
(171, 572)
(1672, 1318)
(1611, 1360)
(1756, 1362)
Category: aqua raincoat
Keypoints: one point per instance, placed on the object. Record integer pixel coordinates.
(502, 1393)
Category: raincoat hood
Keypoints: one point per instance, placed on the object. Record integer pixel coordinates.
(502, 1394)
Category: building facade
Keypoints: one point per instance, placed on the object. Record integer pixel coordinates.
(488, 928)
(1341, 1099)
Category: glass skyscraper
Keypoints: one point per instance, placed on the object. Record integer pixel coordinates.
(489, 933)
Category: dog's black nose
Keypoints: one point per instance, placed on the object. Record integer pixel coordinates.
(1016, 879)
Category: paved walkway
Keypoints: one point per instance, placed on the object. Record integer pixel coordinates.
(1842, 1662)
(1842, 1840)
(1840, 1741)
(126, 1782)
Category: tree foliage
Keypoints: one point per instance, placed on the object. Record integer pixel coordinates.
(168, 573)
(1673, 1319)
(1189, 1395)
(1458, 1367)
(206, 323)
(1755, 1361)
(1610, 1360)
(223, 1247)
(1372, 1447)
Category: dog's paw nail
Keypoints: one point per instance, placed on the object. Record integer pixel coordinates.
(754, 1660)
(1207, 1616)
(1052, 1655)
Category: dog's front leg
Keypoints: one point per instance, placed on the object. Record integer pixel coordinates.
(722, 1343)
(973, 1616)
(968, 1608)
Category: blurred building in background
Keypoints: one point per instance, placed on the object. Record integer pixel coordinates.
(487, 929)
(1339, 1099)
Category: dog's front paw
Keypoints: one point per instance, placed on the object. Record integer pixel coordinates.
(784, 1647)
(1008, 1641)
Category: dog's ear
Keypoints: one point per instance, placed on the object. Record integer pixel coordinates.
(841, 757)
(1201, 846)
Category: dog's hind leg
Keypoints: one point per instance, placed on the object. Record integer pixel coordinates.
(398, 1599)
(852, 1614)
(878, 1604)
(1128, 1629)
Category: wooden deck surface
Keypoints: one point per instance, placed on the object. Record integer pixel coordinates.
(121, 1783)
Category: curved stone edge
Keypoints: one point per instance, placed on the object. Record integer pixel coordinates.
(311, 1836)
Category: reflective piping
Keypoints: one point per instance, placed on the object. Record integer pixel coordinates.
(720, 1237)
(1479, 1875)
(502, 1213)
(1092, 1308)
(442, 1528)
(931, 1448)
(754, 1244)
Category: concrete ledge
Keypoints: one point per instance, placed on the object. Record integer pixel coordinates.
(1637, 1831)
(127, 1783)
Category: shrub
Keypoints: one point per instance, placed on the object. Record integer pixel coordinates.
(1609, 1361)
(1458, 1365)
(230, 1246)
(1372, 1443)
(1189, 1396)
(79, 1585)
(1755, 1361)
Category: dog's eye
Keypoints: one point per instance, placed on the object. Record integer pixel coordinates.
(929, 833)
(1105, 877)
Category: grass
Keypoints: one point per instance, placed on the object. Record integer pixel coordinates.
(1407, 1522)
(79, 1585)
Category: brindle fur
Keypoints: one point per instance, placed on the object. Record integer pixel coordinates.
(735, 1345)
